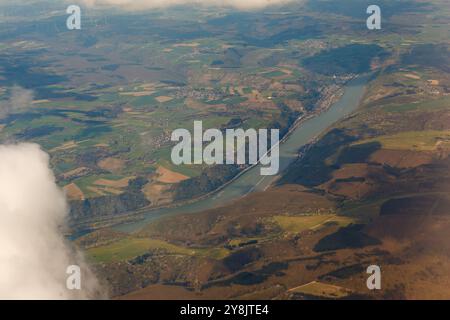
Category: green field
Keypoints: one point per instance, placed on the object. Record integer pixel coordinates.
(298, 224)
(132, 247)
(427, 140)
(429, 105)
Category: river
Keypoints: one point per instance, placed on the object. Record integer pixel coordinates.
(251, 180)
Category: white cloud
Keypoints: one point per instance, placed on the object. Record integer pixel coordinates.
(19, 99)
(148, 4)
(34, 255)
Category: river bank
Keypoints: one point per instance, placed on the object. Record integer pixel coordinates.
(301, 134)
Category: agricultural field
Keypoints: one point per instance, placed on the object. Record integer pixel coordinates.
(104, 107)
(370, 189)
(298, 224)
(360, 195)
(126, 249)
(320, 290)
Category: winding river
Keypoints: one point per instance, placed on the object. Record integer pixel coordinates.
(251, 180)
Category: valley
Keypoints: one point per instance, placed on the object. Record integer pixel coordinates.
(363, 115)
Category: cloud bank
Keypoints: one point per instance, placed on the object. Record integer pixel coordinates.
(34, 256)
(148, 4)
